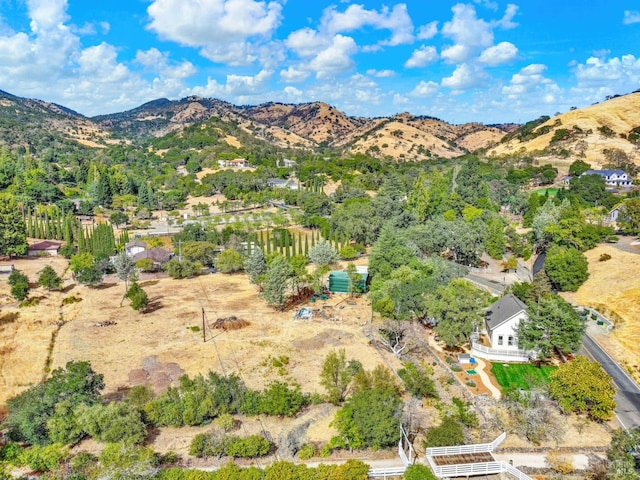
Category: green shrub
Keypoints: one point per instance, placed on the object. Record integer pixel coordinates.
(470, 383)
(29, 303)
(307, 451)
(225, 422)
(418, 472)
(145, 265)
(70, 300)
(205, 445)
(10, 453)
(417, 382)
(449, 432)
(604, 257)
(455, 367)
(44, 458)
(279, 399)
(249, 447)
(348, 252)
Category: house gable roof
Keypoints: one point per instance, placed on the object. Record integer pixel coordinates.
(136, 243)
(604, 173)
(158, 255)
(45, 245)
(504, 309)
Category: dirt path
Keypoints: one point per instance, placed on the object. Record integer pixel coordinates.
(479, 368)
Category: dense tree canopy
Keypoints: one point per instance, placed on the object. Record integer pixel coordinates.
(552, 324)
(29, 412)
(567, 267)
(582, 386)
(13, 232)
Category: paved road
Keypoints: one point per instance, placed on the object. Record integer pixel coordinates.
(627, 391)
(494, 286)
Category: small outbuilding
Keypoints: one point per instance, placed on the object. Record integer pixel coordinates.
(46, 247)
(339, 282)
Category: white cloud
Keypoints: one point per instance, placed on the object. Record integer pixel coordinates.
(335, 58)
(425, 32)
(464, 77)
(456, 53)
(306, 42)
(91, 28)
(293, 75)
(247, 84)
(47, 15)
(399, 99)
(506, 21)
(233, 53)
(355, 17)
(503, 52)
(421, 57)
(425, 89)
(381, 73)
(220, 28)
(603, 52)
(471, 35)
(49, 60)
(467, 29)
(528, 80)
(631, 16)
(158, 62)
(621, 73)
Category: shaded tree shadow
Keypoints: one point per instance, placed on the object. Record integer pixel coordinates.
(153, 305)
(104, 286)
(68, 288)
(9, 318)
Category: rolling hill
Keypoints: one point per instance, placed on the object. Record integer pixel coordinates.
(308, 126)
(594, 133)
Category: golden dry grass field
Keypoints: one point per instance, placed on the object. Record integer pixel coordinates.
(613, 288)
(119, 349)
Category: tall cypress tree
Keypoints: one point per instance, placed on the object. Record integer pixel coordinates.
(306, 245)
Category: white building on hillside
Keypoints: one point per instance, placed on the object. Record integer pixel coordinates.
(499, 340)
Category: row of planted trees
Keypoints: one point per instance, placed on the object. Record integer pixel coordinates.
(291, 244)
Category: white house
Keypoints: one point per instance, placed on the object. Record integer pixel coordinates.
(501, 330)
(135, 247)
(612, 178)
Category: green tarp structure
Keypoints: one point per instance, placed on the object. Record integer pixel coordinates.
(339, 282)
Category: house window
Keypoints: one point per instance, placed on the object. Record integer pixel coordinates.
(510, 341)
(500, 340)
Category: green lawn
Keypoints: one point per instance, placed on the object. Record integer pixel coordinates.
(521, 375)
(552, 191)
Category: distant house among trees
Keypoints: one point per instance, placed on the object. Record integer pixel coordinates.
(135, 247)
(46, 247)
(612, 178)
(501, 332)
(235, 163)
(280, 183)
(613, 214)
(286, 163)
(159, 256)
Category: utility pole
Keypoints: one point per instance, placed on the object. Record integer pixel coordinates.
(204, 331)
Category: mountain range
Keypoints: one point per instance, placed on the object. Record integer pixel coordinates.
(613, 125)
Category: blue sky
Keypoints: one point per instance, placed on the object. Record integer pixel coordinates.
(481, 60)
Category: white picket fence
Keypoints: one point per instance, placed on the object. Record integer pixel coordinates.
(485, 468)
(501, 355)
(461, 449)
(386, 472)
(468, 469)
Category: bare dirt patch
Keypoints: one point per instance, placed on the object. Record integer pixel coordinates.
(118, 349)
